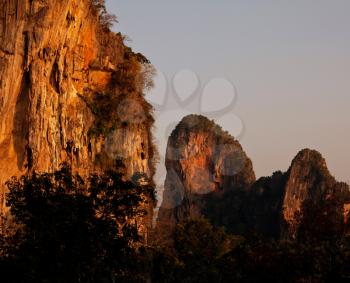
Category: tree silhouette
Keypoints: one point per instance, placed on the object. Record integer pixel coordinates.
(74, 232)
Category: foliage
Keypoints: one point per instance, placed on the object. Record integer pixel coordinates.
(132, 75)
(259, 260)
(201, 253)
(103, 106)
(106, 20)
(112, 111)
(70, 233)
(321, 221)
(130, 79)
(194, 254)
(198, 245)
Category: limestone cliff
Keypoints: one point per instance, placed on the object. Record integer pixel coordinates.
(209, 174)
(308, 179)
(70, 91)
(284, 205)
(202, 161)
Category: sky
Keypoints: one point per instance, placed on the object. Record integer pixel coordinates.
(275, 74)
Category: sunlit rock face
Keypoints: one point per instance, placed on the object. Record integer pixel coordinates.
(201, 160)
(56, 60)
(308, 179)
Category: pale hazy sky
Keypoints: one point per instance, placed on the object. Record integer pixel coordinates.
(288, 60)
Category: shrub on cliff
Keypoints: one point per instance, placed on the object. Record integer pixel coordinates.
(106, 20)
(123, 104)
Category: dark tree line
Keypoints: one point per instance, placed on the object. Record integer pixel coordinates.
(71, 231)
(202, 253)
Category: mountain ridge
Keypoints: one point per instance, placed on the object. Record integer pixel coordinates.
(271, 206)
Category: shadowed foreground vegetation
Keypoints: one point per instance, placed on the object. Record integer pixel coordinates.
(68, 231)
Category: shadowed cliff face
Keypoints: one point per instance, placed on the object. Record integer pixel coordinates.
(308, 177)
(281, 206)
(70, 91)
(310, 182)
(201, 160)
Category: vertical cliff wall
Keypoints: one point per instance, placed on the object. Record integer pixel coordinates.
(295, 202)
(310, 182)
(203, 163)
(70, 91)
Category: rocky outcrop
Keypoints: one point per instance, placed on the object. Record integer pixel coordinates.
(309, 181)
(288, 204)
(203, 162)
(70, 91)
(209, 174)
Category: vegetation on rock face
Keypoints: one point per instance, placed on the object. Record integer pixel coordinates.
(106, 20)
(130, 75)
(124, 94)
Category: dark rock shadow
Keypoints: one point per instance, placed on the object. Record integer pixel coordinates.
(21, 123)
